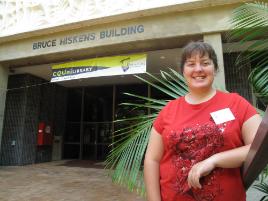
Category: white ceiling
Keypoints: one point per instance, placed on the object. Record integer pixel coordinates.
(156, 61)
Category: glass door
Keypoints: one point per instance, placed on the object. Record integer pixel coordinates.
(71, 146)
(97, 122)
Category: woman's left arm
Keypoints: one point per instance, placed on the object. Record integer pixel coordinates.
(228, 159)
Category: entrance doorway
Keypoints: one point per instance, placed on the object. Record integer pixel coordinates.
(90, 115)
(97, 122)
(89, 123)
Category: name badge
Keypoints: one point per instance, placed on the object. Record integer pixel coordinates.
(222, 116)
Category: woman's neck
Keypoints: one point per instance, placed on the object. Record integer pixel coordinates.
(196, 97)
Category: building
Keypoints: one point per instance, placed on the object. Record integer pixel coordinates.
(36, 36)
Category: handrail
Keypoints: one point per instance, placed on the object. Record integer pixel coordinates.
(257, 157)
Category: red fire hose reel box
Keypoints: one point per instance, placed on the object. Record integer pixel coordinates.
(44, 135)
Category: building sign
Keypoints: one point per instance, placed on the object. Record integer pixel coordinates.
(89, 37)
(105, 66)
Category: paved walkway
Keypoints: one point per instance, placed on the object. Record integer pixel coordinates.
(60, 181)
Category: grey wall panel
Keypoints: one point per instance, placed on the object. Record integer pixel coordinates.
(31, 120)
(18, 141)
(27, 104)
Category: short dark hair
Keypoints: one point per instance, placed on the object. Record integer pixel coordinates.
(201, 48)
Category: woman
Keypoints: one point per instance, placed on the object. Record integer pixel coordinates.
(199, 141)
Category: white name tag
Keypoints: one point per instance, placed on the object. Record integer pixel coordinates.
(222, 116)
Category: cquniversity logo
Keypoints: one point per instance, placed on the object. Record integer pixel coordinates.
(125, 64)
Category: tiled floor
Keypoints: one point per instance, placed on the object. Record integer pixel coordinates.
(60, 181)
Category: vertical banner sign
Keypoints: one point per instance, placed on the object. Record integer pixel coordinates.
(97, 67)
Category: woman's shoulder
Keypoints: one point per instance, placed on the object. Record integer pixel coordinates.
(172, 104)
(232, 98)
(226, 94)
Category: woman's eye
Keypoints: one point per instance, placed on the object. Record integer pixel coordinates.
(190, 64)
(206, 63)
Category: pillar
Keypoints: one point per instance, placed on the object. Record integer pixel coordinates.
(215, 41)
(3, 88)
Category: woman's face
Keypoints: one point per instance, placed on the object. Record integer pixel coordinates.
(199, 72)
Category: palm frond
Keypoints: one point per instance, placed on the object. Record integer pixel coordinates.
(247, 18)
(263, 174)
(264, 198)
(126, 157)
(249, 23)
(150, 100)
(166, 86)
(137, 105)
(263, 187)
(259, 81)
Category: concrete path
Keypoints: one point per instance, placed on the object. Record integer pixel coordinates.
(60, 181)
(67, 181)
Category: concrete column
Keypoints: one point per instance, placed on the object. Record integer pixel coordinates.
(3, 87)
(215, 41)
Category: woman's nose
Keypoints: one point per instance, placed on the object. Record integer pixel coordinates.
(198, 67)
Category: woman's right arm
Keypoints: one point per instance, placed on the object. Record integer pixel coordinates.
(153, 156)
